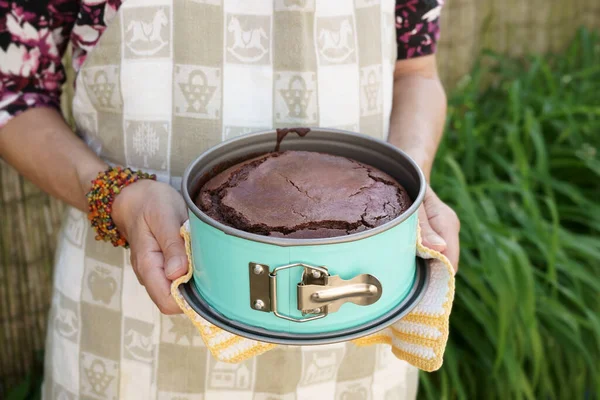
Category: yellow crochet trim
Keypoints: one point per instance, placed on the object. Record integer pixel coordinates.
(208, 332)
(419, 338)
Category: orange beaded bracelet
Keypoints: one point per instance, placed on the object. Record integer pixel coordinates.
(101, 197)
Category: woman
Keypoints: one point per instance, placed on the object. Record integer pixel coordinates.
(157, 83)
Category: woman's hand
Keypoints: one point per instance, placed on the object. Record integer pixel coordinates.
(149, 214)
(439, 227)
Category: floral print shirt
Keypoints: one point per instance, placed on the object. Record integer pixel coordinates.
(34, 35)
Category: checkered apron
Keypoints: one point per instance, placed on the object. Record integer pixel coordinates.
(167, 80)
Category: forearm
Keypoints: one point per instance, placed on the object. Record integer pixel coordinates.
(418, 112)
(42, 147)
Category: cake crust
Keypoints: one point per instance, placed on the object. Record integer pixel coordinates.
(300, 194)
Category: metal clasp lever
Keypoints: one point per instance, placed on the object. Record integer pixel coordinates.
(319, 293)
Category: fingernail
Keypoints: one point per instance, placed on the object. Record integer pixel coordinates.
(436, 240)
(173, 265)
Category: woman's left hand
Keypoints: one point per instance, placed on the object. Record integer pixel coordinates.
(149, 214)
(440, 227)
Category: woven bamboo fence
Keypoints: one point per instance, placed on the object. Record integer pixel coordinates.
(509, 27)
(30, 220)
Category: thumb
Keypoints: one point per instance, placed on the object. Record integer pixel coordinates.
(176, 263)
(429, 236)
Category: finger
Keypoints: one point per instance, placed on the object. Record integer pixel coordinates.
(453, 252)
(171, 243)
(449, 228)
(156, 283)
(445, 222)
(149, 262)
(141, 240)
(430, 236)
(132, 258)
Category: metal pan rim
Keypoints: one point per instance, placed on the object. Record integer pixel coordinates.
(284, 242)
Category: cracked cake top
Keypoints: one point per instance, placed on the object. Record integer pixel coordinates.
(301, 194)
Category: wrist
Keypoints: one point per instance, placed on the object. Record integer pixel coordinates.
(87, 171)
(121, 205)
(106, 189)
(419, 149)
(424, 161)
(126, 203)
(422, 158)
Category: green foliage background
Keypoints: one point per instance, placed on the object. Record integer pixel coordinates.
(520, 165)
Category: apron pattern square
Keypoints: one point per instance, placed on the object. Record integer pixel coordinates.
(177, 329)
(335, 38)
(371, 93)
(248, 39)
(110, 136)
(103, 86)
(320, 365)
(295, 98)
(230, 377)
(191, 136)
(65, 319)
(181, 368)
(147, 144)
(99, 377)
(197, 91)
(102, 284)
(138, 341)
(147, 32)
(187, 46)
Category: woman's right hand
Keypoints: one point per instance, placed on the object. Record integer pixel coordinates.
(149, 214)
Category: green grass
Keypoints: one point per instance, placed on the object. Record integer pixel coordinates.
(520, 165)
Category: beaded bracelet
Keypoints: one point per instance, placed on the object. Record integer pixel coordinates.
(101, 197)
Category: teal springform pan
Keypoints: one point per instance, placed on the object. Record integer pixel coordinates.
(305, 291)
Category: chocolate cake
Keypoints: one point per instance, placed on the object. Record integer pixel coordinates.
(300, 194)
